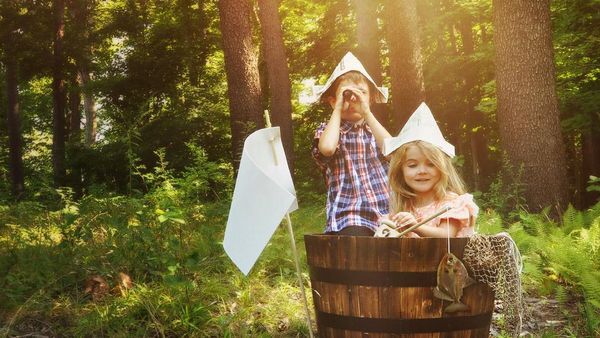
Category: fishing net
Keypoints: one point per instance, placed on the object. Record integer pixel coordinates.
(495, 260)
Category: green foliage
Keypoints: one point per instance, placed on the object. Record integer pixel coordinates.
(563, 259)
(505, 193)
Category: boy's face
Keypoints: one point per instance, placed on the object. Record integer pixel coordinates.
(352, 109)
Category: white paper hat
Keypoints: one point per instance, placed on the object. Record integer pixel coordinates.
(349, 63)
(421, 126)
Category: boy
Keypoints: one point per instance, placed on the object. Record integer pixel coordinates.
(348, 151)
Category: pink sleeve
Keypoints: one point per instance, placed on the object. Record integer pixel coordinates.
(464, 210)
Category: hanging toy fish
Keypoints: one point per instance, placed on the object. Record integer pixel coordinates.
(452, 278)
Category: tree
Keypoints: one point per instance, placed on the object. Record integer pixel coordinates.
(368, 50)
(58, 96)
(82, 16)
(528, 114)
(278, 74)
(13, 115)
(367, 37)
(406, 68)
(241, 66)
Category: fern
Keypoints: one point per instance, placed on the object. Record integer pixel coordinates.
(572, 219)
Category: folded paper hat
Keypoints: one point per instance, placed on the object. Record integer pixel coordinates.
(421, 126)
(349, 63)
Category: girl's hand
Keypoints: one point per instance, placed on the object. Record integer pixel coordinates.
(404, 220)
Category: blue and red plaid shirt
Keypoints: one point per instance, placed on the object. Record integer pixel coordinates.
(356, 178)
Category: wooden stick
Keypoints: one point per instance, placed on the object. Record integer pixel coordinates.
(297, 261)
(272, 140)
(441, 211)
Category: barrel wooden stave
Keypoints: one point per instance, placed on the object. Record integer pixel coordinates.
(366, 254)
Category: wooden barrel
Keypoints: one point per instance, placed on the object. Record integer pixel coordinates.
(383, 287)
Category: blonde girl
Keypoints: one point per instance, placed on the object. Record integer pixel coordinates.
(423, 180)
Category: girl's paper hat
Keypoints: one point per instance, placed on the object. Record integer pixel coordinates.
(421, 126)
(349, 63)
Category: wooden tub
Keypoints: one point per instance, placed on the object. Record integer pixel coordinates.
(383, 287)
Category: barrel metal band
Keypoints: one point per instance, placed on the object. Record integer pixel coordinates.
(374, 278)
(389, 325)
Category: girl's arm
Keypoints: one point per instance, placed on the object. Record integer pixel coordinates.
(441, 231)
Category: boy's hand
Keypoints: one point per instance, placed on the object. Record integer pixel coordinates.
(352, 96)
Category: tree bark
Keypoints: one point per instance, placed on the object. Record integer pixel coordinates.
(590, 146)
(241, 66)
(473, 118)
(278, 74)
(528, 114)
(13, 117)
(75, 134)
(58, 95)
(368, 50)
(80, 11)
(406, 65)
(89, 106)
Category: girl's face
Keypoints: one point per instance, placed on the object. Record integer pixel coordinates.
(420, 174)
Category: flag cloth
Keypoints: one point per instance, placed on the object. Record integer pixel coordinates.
(263, 194)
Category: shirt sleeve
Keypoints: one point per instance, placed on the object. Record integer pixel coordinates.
(321, 160)
(464, 210)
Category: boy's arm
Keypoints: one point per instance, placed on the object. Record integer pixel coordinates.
(377, 129)
(330, 137)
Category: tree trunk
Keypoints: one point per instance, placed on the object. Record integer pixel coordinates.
(58, 95)
(241, 66)
(75, 134)
(13, 118)
(89, 106)
(406, 66)
(369, 51)
(80, 11)
(473, 118)
(590, 145)
(528, 114)
(278, 74)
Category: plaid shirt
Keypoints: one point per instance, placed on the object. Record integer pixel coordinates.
(356, 178)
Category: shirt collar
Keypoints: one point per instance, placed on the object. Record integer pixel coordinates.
(346, 126)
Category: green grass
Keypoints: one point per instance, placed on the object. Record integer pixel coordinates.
(185, 285)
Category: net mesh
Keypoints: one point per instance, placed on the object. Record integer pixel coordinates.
(495, 260)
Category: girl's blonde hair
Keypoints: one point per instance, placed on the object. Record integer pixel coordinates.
(402, 196)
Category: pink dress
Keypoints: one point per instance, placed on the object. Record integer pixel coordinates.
(464, 210)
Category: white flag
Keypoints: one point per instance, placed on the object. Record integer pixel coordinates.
(263, 194)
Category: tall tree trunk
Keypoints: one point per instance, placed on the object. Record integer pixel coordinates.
(406, 65)
(241, 66)
(89, 106)
(75, 134)
(58, 95)
(369, 51)
(590, 145)
(465, 27)
(528, 114)
(13, 118)
(278, 74)
(80, 11)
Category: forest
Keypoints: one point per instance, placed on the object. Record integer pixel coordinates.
(122, 124)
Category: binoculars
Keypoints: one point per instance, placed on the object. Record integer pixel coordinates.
(348, 95)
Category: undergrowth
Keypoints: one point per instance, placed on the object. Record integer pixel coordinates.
(169, 241)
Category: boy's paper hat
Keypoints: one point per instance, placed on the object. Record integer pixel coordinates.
(349, 63)
(421, 126)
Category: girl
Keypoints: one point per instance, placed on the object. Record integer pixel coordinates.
(423, 179)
